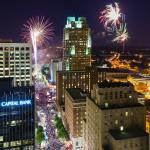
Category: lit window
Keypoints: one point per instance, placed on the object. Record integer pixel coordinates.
(6, 144)
(121, 128)
(73, 50)
(126, 114)
(130, 96)
(18, 142)
(106, 105)
(116, 122)
(13, 123)
(1, 138)
(13, 143)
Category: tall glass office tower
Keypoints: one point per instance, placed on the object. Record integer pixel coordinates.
(77, 44)
(16, 116)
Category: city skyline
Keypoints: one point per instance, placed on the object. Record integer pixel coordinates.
(58, 12)
(74, 75)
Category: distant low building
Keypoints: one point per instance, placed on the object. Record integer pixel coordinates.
(141, 84)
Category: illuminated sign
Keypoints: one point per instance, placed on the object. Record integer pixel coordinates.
(16, 103)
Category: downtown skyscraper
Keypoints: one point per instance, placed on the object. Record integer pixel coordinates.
(77, 44)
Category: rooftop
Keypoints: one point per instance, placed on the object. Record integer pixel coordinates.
(5, 83)
(115, 106)
(108, 84)
(14, 44)
(127, 134)
(6, 79)
(16, 89)
(6, 86)
(77, 94)
(76, 23)
(5, 41)
(70, 71)
(114, 70)
(73, 19)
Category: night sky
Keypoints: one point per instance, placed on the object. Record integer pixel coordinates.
(14, 13)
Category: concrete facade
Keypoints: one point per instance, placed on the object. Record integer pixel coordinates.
(16, 62)
(114, 106)
(75, 111)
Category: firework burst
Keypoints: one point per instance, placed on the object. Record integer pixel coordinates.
(37, 30)
(38, 27)
(111, 15)
(121, 34)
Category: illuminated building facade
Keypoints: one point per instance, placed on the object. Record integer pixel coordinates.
(114, 118)
(16, 62)
(85, 79)
(141, 84)
(16, 116)
(111, 74)
(75, 110)
(77, 44)
(148, 119)
(70, 79)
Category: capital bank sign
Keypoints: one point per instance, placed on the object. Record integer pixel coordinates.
(16, 103)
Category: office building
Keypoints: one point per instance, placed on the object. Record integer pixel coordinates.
(111, 74)
(16, 62)
(77, 44)
(85, 79)
(75, 110)
(16, 116)
(115, 120)
(70, 79)
(56, 65)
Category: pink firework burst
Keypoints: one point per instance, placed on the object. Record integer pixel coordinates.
(111, 15)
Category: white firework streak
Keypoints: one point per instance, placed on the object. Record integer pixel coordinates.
(121, 34)
(37, 31)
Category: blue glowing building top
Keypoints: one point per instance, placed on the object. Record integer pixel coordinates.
(73, 23)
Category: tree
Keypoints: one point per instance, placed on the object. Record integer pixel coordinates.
(40, 129)
(40, 135)
(58, 122)
(61, 131)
